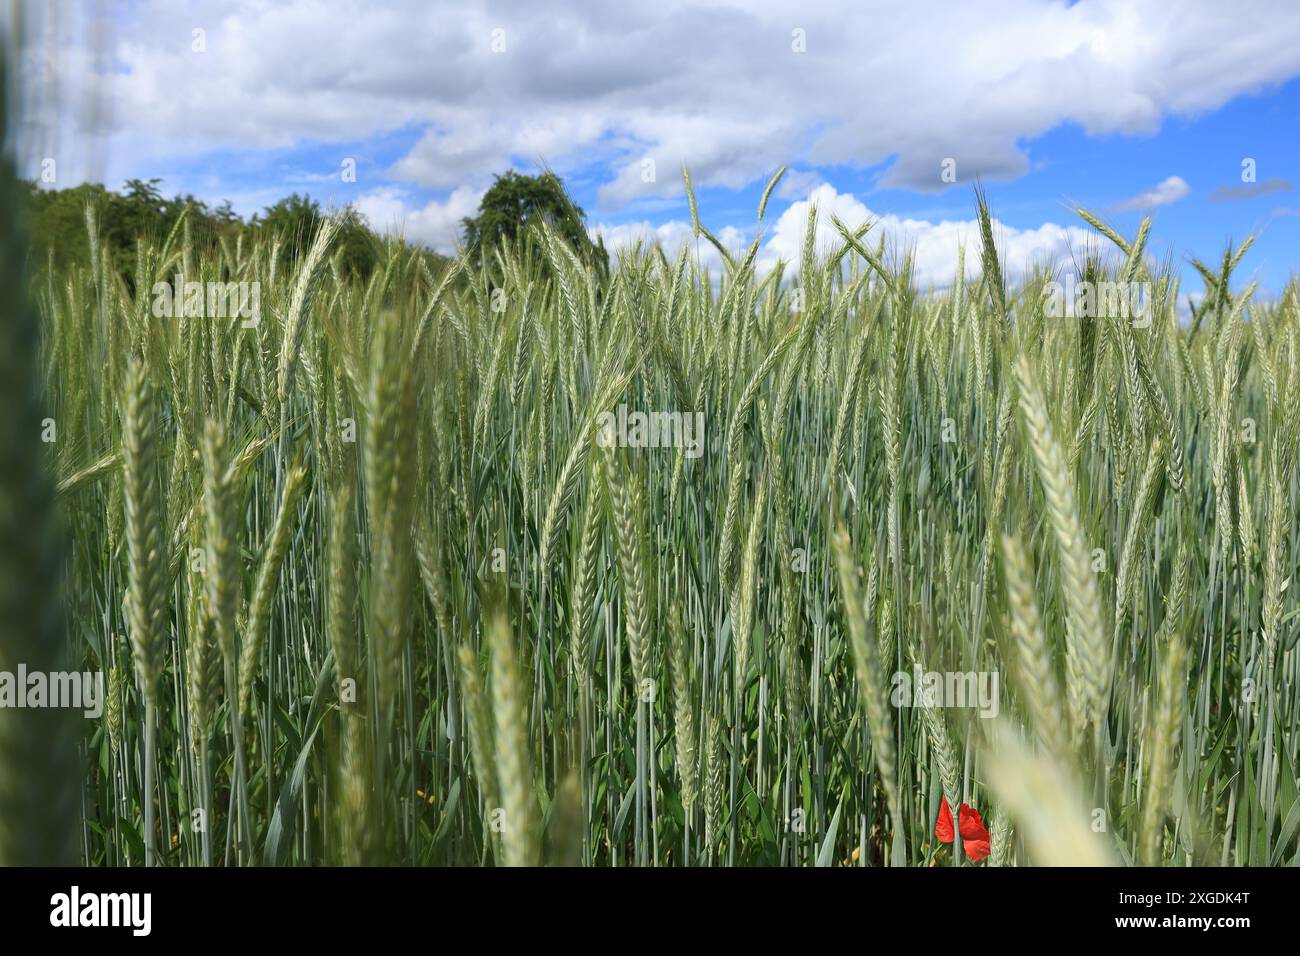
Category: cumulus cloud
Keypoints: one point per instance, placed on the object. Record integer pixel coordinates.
(720, 86)
(437, 223)
(933, 246)
(1166, 191)
(670, 236)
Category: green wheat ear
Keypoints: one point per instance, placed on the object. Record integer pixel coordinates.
(514, 776)
(146, 599)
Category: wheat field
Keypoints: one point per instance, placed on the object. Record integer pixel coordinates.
(368, 584)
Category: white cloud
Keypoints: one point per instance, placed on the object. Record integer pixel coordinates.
(716, 85)
(671, 235)
(1166, 191)
(933, 245)
(437, 224)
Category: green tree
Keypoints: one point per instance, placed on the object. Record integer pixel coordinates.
(296, 218)
(514, 201)
(141, 212)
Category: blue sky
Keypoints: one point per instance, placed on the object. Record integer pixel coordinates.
(1127, 109)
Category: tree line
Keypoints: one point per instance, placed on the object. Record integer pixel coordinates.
(141, 210)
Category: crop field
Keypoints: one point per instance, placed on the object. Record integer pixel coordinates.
(520, 561)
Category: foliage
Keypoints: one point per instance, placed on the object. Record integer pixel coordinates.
(516, 201)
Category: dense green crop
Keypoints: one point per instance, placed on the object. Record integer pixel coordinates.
(399, 573)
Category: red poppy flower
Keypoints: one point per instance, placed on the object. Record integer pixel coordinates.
(974, 838)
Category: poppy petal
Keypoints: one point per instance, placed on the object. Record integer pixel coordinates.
(970, 824)
(975, 850)
(943, 825)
